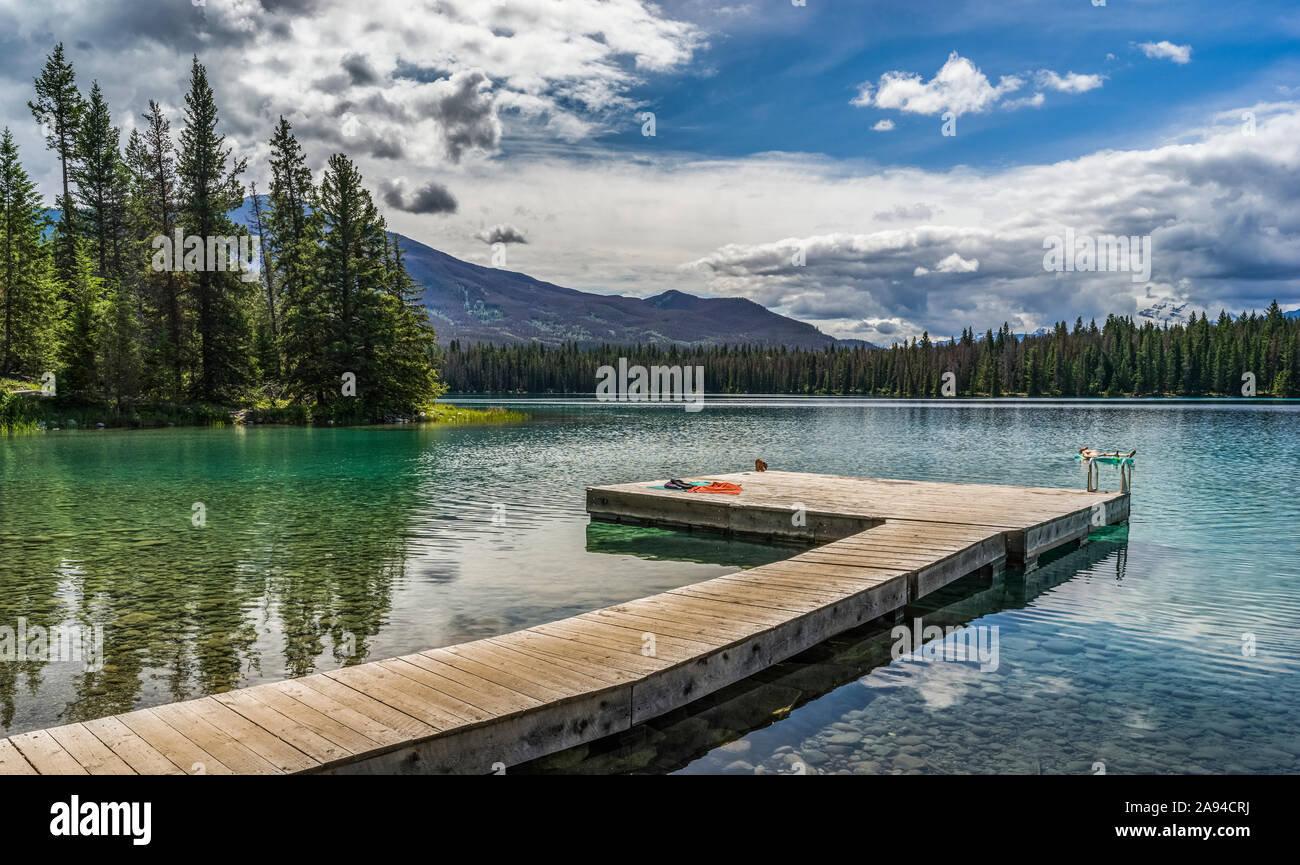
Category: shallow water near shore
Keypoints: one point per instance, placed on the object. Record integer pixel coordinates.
(1171, 645)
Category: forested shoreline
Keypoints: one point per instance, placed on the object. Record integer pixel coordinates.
(1118, 358)
(92, 315)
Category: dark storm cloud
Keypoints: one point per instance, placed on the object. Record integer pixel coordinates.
(374, 104)
(384, 148)
(502, 233)
(363, 139)
(466, 112)
(359, 70)
(432, 197)
(290, 7)
(122, 38)
(181, 26)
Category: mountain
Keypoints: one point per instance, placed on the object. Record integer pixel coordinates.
(1165, 312)
(473, 303)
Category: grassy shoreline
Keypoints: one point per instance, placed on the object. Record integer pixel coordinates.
(32, 413)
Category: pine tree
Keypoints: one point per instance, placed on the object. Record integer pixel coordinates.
(292, 224)
(118, 361)
(101, 186)
(267, 274)
(292, 252)
(27, 296)
(1284, 382)
(152, 160)
(210, 189)
(410, 377)
(59, 107)
(78, 371)
(1033, 374)
(352, 283)
(361, 314)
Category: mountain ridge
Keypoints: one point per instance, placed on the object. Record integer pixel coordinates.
(474, 303)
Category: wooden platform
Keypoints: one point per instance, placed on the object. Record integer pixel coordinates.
(482, 706)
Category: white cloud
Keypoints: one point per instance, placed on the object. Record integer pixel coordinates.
(1035, 101)
(959, 87)
(956, 264)
(951, 264)
(883, 125)
(1070, 82)
(1164, 50)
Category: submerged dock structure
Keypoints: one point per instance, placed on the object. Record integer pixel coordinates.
(483, 706)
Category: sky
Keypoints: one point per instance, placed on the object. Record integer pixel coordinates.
(877, 169)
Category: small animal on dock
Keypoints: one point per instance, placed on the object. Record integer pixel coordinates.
(760, 466)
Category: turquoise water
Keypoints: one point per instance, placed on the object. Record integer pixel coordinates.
(324, 547)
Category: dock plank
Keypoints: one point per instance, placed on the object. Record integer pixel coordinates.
(672, 649)
(12, 761)
(504, 677)
(46, 755)
(212, 738)
(505, 699)
(438, 710)
(289, 731)
(360, 712)
(142, 757)
(488, 703)
(86, 748)
(330, 726)
(173, 744)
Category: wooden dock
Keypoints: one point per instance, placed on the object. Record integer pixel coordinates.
(483, 706)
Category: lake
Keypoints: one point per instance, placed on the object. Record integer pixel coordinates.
(218, 558)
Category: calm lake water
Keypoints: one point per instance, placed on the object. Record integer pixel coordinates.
(1170, 645)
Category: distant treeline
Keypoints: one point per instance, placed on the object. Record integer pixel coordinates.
(1120, 358)
(93, 305)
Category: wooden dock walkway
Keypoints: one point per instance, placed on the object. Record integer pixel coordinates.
(482, 706)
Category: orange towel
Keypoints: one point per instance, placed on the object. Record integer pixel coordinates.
(718, 487)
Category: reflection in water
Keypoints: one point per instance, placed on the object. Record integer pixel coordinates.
(185, 608)
(647, 542)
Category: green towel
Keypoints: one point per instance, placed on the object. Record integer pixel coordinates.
(1110, 461)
